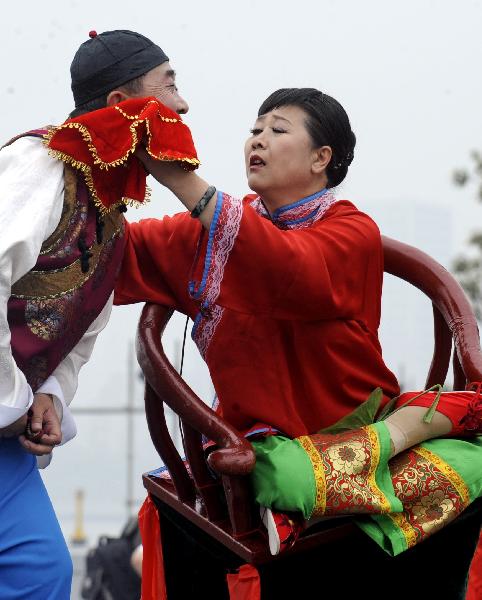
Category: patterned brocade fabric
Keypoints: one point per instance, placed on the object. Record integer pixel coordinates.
(431, 491)
(351, 472)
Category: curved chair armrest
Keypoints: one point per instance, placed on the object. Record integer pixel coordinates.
(447, 295)
(235, 455)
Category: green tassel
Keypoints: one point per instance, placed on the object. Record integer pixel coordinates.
(428, 416)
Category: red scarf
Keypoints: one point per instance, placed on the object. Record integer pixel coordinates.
(101, 145)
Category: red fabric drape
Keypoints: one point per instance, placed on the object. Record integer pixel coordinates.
(153, 582)
(245, 584)
(101, 144)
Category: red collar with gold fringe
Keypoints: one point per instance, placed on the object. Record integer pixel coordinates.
(101, 144)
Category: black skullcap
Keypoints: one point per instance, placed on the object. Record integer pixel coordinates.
(110, 59)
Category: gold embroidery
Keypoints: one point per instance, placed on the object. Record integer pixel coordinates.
(42, 285)
(49, 319)
(345, 467)
(318, 471)
(375, 460)
(450, 473)
(69, 206)
(431, 492)
(409, 533)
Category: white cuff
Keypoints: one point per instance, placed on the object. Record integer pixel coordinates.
(10, 414)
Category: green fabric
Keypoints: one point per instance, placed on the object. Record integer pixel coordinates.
(382, 475)
(464, 456)
(283, 478)
(362, 415)
(382, 530)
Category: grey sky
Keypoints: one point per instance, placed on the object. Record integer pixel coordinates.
(407, 73)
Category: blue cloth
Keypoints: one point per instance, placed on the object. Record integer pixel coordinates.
(35, 563)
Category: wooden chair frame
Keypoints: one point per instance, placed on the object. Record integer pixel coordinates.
(222, 505)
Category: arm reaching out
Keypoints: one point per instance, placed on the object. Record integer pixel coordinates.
(187, 186)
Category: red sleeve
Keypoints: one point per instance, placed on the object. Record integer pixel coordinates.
(157, 260)
(327, 271)
(332, 269)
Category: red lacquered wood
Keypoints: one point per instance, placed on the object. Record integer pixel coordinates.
(162, 441)
(209, 488)
(236, 456)
(441, 352)
(447, 295)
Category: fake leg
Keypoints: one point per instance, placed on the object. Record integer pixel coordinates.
(34, 560)
(419, 416)
(435, 482)
(325, 474)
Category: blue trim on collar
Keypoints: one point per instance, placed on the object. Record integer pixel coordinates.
(283, 209)
(305, 218)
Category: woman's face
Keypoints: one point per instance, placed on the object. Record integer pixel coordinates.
(280, 157)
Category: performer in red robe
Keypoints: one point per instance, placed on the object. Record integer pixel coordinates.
(308, 322)
(284, 289)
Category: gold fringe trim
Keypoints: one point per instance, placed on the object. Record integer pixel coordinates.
(136, 117)
(319, 472)
(87, 172)
(408, 532)
(385, 505)
(450, 473)
(85, 133)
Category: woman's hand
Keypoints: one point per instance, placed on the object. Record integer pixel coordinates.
(186, 185)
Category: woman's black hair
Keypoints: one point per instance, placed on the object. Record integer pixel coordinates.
(327, 124)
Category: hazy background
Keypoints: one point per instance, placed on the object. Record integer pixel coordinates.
(408, 75)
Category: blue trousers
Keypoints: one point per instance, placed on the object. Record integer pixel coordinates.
(35, 563)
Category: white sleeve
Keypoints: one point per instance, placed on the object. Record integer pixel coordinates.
(62, 384)
(31, 201)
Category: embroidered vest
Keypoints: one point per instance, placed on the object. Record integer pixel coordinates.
(53, 305)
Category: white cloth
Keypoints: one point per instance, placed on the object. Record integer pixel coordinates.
(31, 201)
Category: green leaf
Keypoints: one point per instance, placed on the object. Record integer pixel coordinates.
(362, 415)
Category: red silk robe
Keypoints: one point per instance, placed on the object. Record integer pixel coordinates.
(286, 307)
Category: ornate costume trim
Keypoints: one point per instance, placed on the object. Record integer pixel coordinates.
(89, 180)
(204, 328)
(42, 285)
(222, 235)
(318, 471)
(68, 210)
(431, 491)
(345, 467)
(450, 473)
(297, 215)
(98, 142)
